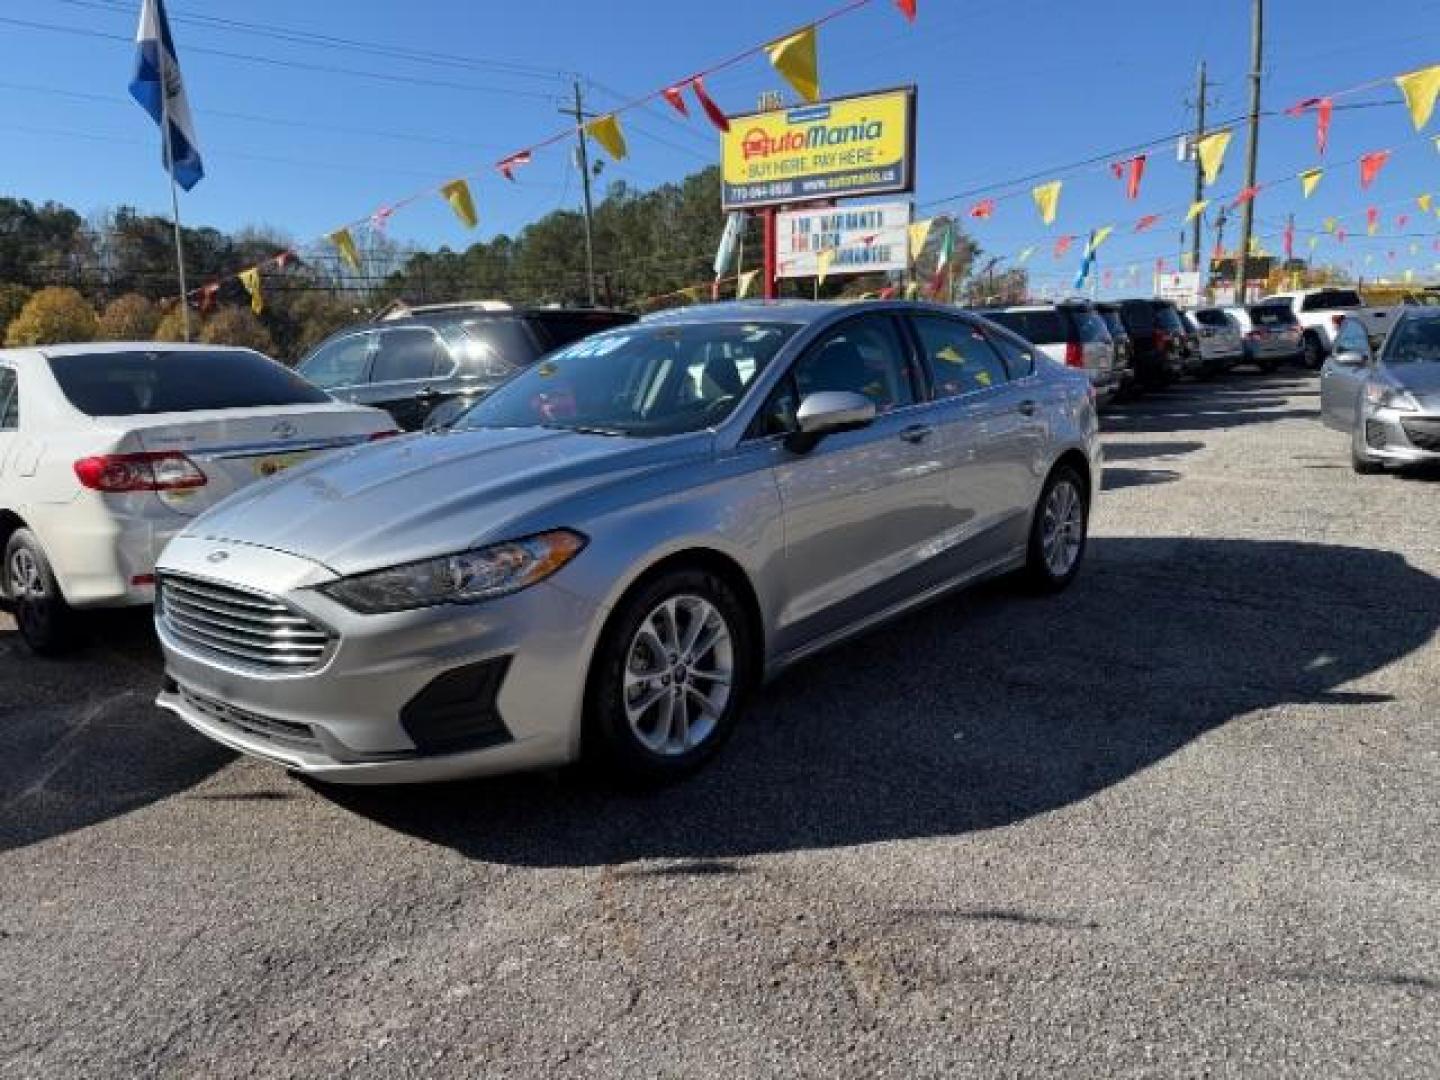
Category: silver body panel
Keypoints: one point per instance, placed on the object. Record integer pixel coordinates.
(1378, 433)
(868, 524)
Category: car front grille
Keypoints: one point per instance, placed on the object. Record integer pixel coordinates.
(1424, 434)
(283, 733)
(245, 627)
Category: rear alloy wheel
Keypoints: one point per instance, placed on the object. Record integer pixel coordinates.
(44, 620)
(672, 673)
(1059, 533)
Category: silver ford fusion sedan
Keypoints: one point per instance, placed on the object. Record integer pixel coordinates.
(608, 553)
(1389, 404)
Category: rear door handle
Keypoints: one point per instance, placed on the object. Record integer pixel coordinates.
(1026, 407)
(917, 433)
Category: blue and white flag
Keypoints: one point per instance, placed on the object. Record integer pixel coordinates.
(155, 67)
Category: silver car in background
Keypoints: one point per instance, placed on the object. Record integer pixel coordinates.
(608, 553)
(1389, 404)
(1222, 344)
(1073, 333)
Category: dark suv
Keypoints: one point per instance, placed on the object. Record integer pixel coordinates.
(1159, 338)
(1124, 347)
(427, 365)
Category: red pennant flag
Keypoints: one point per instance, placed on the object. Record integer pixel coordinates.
(907, 8)
(1130, 171)
(1340, 236)
(887, 293)
(1372, 218)
(1106, 278)
(207, 298)
(985, 208)
(1370, 166)
(284, 259)
(1146, 221)
(1246, 194)
(675, 95)
(1160, 265)
(507, 166)
(714, 112)
(1324, 108)
(1289, 240)
(1402, 221)
(1062, 245)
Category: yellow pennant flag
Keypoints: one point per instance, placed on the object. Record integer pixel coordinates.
(457, 194)
(1424, 202)
(1310, 180)
(794, 58)
(919, 233)
(1373, 227)
(605, 130)
(743, 283)
(251, 280)
(1047, 200)
(1212, 154)
(1024, 255)
(1099, 238)
(823, 260)
(1196, 209)
(1313, 241)
(1420, 88)
(345, 243)
(1330, 224)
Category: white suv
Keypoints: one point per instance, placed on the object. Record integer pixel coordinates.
(107, 451)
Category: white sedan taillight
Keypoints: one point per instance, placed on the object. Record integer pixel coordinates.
(167, 470)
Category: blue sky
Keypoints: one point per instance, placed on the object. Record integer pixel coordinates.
(1007, 88)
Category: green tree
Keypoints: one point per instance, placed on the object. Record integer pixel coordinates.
(53, 316)
(129, 318)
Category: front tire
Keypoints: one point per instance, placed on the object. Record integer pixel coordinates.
(1059, 533)
(671, 676)
(45, 621)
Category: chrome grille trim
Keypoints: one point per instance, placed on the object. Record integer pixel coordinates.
(240, 626)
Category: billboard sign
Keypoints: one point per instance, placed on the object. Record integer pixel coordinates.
(1181, 287)
(861, 145)
(864, 239)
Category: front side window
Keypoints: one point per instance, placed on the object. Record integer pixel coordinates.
(962, 360)
(9, 400)
(404, 355)
(864, 356)
(642, 381)
(164, 381)
(342, 362)
(1414, 341)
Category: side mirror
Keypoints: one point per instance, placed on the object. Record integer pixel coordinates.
(828, 412)
(1350, 358)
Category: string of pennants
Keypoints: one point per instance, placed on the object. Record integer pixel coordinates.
(795, 57)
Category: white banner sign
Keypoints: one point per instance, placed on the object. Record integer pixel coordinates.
(1182, 287)
(864, 239)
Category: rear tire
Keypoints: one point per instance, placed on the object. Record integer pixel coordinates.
(1059, 532)
(45, 621)
(670, 677)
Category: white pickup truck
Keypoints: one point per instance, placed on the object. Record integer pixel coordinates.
(1319, 312)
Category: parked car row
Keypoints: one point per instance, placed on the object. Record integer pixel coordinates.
(601, 556)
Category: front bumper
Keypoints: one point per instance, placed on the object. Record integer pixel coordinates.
(1401, 437)
(342, 721)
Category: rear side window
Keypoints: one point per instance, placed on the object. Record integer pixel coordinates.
(163, 381)
(1041, 326)
(404, 355)
(1271, 315)
(9, 400)
(1018, 357)
(564, 327)
(1327, 299)
(962, 360)
(342, 362)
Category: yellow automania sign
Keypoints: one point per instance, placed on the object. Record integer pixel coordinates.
(849, 146)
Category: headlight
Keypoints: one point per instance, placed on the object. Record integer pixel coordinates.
(464, 578)
(1380, 396)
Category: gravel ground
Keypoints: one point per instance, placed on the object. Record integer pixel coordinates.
(1178, 821)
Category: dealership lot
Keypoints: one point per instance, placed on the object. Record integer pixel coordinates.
(1180, 820)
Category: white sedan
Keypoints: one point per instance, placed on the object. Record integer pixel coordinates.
(107, 451)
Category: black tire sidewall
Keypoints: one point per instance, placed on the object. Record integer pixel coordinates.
(1036, 569)
(48, 631)
(607, 739)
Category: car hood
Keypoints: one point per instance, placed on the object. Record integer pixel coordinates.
(419, 496)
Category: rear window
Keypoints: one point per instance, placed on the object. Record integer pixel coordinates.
(1211, 317)
(162, 381)
(1326, 299)
(1271, 315)
(1042, 326)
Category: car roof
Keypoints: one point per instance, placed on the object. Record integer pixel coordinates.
(110, 348)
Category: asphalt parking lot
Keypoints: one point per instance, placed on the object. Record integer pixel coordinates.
(1181, 820)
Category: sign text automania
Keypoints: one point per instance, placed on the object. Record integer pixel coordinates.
(758, 144)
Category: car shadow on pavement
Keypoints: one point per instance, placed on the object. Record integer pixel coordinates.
(981, 711)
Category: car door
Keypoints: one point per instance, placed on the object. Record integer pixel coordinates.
(9, 421)
(994, 433)
(862, 509)
(408, 363)
(1342, 382)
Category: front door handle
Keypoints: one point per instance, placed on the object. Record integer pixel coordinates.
(429, 393)
(917, 433)
(1027, 407)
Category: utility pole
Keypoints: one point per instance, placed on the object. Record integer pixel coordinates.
(1247, 215)
(1200, 92)
(583, 159)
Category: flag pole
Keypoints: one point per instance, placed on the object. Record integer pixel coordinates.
(174, 187)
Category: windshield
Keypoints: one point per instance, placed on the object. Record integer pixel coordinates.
(161, 381)
(643, 380)
(1414, 341)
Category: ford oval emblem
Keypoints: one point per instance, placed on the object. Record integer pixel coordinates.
(217, 556)
(283, 429)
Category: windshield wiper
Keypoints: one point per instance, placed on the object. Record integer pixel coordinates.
(583, 430)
